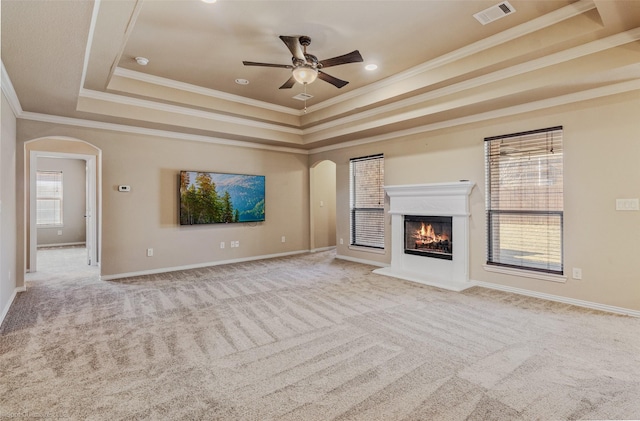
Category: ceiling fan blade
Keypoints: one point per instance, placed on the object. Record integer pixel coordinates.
(352, 57)
(293, 44)
(288, 84)
(338, 83)
(253, 63)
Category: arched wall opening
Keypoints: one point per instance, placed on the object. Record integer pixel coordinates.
(322, 196)
(69, 148)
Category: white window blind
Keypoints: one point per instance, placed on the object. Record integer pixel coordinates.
(49, 197)
(524, 175)
(367, 201)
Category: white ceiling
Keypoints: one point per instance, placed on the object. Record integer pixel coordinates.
(437, 65)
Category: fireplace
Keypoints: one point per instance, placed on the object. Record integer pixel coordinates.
(425, 218)
(429, 236)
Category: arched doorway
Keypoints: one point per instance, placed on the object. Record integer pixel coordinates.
(64, 148)
(322, 196)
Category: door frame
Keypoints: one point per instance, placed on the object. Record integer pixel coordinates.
(92, 235)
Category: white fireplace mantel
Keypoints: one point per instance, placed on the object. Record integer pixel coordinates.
(438, 199)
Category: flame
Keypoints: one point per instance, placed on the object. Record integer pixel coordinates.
(426, 234)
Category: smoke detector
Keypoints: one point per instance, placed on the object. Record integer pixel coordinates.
(142, 61)
(494, 13)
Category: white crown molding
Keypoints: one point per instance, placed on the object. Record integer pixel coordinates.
(549, 19)
(559, 299)
(187, 87)
(87, 50)
(563, 56)
(68, 121)
(176, 109)
(608, 90)
(505, 112)
(519, 69)
(10, 92)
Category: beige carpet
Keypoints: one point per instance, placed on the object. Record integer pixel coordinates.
(306, 338)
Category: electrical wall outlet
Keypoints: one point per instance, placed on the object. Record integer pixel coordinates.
(149, 252)
(577, 273)
(341, 241)
(59, 232)
(284, 239)
(222, 244)
(237, 243)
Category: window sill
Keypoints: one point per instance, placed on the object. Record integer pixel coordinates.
(49, 226)
(367, 249)
(526, 273)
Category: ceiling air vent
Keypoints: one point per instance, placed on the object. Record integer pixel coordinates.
(496, 12)
(303, 97)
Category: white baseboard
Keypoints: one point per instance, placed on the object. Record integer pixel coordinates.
(198, 265)
(82, 243)
(6, 308)
(560, 299)
(322, 249)
(363, 261)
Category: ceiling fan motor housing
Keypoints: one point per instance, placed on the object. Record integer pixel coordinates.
(305, 41)
(306, 67)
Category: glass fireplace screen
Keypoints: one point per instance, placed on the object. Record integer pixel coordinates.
(428, 236)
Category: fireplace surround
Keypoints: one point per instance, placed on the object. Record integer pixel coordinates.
(428, 256)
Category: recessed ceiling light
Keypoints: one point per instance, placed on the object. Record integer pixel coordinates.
(209, 1)
(371, 66)
(142, 61)
(241, 81)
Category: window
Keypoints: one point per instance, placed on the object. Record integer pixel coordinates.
(49, 197)
(367, 201)
(524, 200)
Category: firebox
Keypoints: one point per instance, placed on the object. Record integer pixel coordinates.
(428, 236)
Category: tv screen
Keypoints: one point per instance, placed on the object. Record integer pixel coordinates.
(212, 198)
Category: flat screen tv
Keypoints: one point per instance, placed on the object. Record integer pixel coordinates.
(213, 198)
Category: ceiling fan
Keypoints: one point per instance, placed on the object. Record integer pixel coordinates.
(305, 68)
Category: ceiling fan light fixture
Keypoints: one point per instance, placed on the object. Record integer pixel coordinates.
(305, 75)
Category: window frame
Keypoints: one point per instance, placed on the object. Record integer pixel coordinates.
(553, 270)
(354, 210)
(58, 197)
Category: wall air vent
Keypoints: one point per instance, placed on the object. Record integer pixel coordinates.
(303, 97)
(496, 12)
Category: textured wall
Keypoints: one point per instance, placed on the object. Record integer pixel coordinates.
(8, 224)
(147, 216)
(600, 164)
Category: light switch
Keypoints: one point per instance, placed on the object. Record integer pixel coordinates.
(627, 204)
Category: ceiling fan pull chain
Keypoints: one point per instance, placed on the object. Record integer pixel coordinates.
(305, 98)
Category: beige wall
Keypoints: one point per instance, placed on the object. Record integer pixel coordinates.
(73, 230)
(601, 163)
(147, 216)
(8, 250)
(323, 205)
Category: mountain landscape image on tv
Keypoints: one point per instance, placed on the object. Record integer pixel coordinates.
(212, 198)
